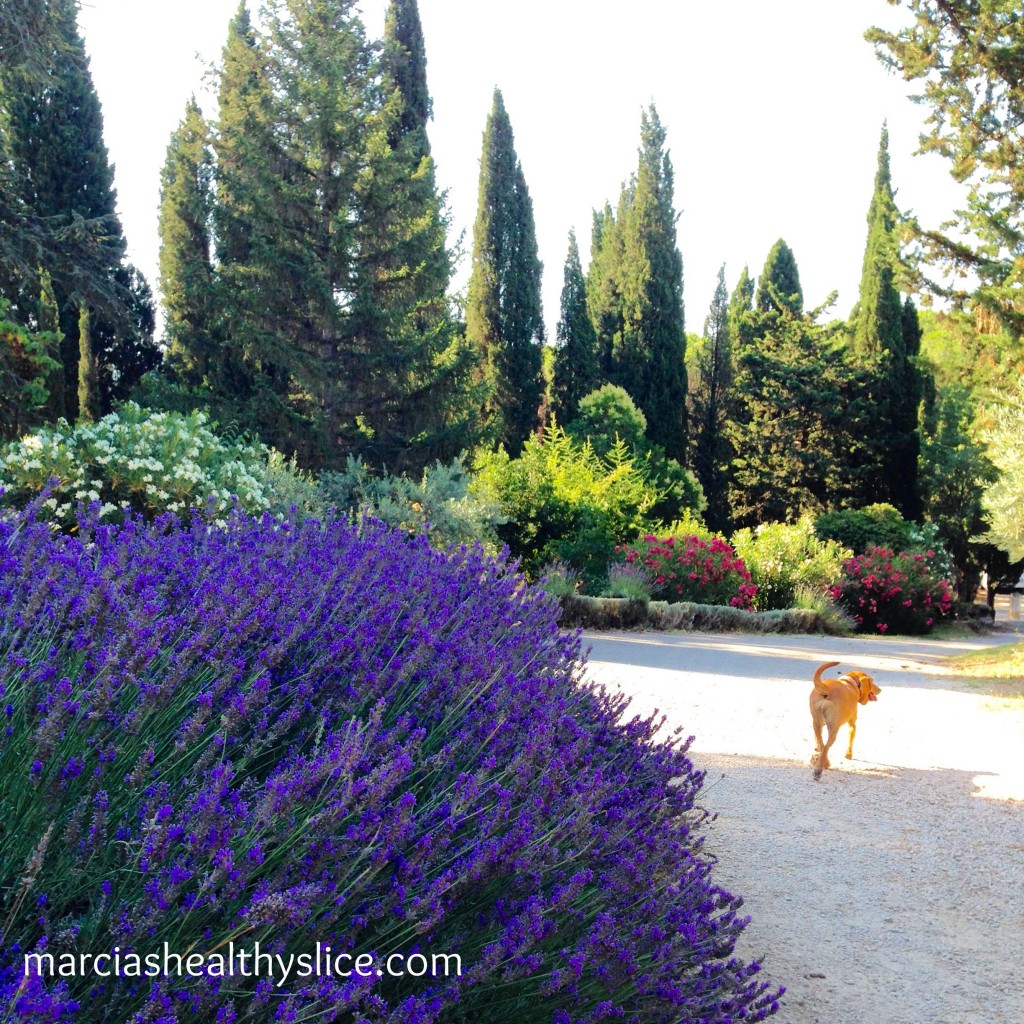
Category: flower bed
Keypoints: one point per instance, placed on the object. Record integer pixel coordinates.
(300, 734)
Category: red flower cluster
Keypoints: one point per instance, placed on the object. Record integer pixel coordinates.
(689, 568)
(888, 592)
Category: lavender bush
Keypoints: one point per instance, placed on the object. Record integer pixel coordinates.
(297, 733)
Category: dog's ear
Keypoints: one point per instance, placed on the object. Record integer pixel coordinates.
(865, 686)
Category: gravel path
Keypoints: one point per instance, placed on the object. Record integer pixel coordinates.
(892, 892)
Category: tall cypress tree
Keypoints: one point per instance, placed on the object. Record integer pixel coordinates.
(186, 252)
(879, 344)
(405, 70)
(503, 313)
(576, 365)
(637, 295)
(60, 167)
(711, 398)
(778, 287)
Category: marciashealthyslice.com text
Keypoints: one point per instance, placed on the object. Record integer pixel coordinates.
(231, 961)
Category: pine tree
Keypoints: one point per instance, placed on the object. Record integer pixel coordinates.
(576, 366)
(878, 343)
(778, 287)
(710, 399)
(59, 166)
(635, 293)
(503, 314)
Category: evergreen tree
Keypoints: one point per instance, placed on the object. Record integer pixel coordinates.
(800, 423)
(636, 299)
(265, 229)
(405, 69)
(503, 314)
(59, 166)
(969, 57)
(778, 287)
(604, 301)
(320, 319)
(710, 401)
(576, 367)
(878, 323)
(420, 409)
(186, 251)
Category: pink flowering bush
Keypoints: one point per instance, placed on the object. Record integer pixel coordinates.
(893, 593)
(691, 568)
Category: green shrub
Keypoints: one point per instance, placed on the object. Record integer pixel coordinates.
(607, 415)
(439, 504)
(783, 557)
(561, 500)
(861, 528)
(138, 461)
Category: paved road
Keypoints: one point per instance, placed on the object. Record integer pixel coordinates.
(892, 892)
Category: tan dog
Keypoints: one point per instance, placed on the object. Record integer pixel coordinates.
(833, 705)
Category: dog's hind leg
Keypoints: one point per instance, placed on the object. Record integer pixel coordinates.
(823, 761)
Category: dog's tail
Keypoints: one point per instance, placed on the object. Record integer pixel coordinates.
(822, 668)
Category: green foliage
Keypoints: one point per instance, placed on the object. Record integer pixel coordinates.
(304, 245)
(882, 526)
(63, 234)
(1004, 499)
(886, 339)
(607, 415)
(439, 504)
(968, 56)
(576, 370)
(778, 287)
(26, 364)
(195, 349)
(138, 461)
(799, 425)
(785, 559)
(562, 500)
(859, 529)
(710, 399)
(635, 293)
(971, 350)
(504, 321)
(955, 470)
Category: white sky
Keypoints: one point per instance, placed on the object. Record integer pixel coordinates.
(773, 113)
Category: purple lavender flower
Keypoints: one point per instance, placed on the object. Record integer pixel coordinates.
(304, 733)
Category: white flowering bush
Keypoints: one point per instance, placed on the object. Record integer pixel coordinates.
(786, 558)
(136, 461)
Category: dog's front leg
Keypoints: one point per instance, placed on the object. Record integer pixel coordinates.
(853, 733)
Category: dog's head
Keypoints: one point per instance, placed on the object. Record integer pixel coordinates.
(866, 687)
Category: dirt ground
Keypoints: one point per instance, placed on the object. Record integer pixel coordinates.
(891, 892)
